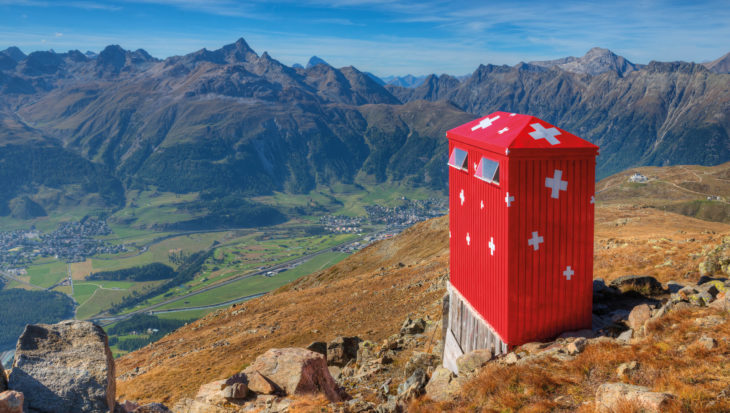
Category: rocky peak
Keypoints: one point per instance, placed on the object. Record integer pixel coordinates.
(41, 63)
(238, 52)
(721, 65)
(314, 61)
(14, 53)
(596, 61)
(113, 58)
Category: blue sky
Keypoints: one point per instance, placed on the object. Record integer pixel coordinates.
(386, 37)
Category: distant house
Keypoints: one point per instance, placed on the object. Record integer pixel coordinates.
(638, 178)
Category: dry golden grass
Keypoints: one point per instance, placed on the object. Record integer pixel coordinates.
(370, 294)
(696, 376)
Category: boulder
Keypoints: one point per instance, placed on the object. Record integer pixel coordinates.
(707, 342)
(297, 371)
(259, 384)
(11, 402)
(413, 386)
(643, 284)
(126, 406)
(469, 362)
(318, 347)
(626, 369)
(152, 408)
(419, 360)
(625, 337)
(576, 346)
(341, 350)
(638, 316)
(235, 391)
(3, 379)
(611, 397)
(366, 350)
(209, 398)
(443, 385)
(411, 327)
(64, 367)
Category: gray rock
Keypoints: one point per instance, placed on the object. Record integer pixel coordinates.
(235, 391)
(297, 371)
(626, 369)
(64, 367)
(643, 284)
(152, 408)
(443, 385)
(318, 347)
(341, 350)
(413, 386)
(707, 342)
(419, 360)
(626, 336)
(473, 360)
(638, 316)
(411, 327)
(610, 397)
(576, 346)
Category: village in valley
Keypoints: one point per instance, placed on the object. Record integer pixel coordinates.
(71, 242)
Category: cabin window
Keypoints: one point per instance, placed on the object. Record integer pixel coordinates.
(488, 171)
(459, 159)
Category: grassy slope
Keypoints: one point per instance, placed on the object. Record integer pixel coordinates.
(369, 294)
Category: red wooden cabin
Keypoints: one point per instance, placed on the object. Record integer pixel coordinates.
(521, 194)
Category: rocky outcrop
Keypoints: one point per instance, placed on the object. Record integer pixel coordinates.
(643, 284)
(11, 402)
(64, 367)
(473, 360)
(297, 371)
(638, 316)
(443, 385)
(341, 350)
(717, 260)
(611, 397)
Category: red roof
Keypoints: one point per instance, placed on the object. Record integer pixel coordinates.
(500, 131)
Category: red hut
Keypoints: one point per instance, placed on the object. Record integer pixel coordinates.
(521, 233)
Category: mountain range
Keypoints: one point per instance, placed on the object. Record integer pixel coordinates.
(85, 128)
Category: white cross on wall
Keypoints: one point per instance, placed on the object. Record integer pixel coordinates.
(568, 273)
(503, 130)
(468, 239)
(547, 134)
(509, 199)
(461, 196)
(491, 245)
(482, 206)
(535, 241)
(593, 199)
(485, 123)
(556, 184)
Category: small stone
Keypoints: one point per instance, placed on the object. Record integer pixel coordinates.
(257, 383)
(235, 391)
(610, 397)
(626, 336)
(708, 343)
(468, 363)
(411, 327)
(443, 385)
(152, 408)
(638, 316)
(626, 369)
(510, 358)
(576, 346)
(11, 402)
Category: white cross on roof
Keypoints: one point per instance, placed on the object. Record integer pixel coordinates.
(461, 196)
(468, 239)
(535, 241)
(556, 184)
(503, 130)
(548, 134)
(491, 245)
(484, 123)
(509, 199)
(568, 273)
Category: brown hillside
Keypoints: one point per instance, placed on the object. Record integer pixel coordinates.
(370, 294)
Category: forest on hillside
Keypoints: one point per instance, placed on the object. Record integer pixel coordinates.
(21, 307)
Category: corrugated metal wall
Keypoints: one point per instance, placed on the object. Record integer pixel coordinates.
(543, 301)
(522, 293)
(479, 276)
